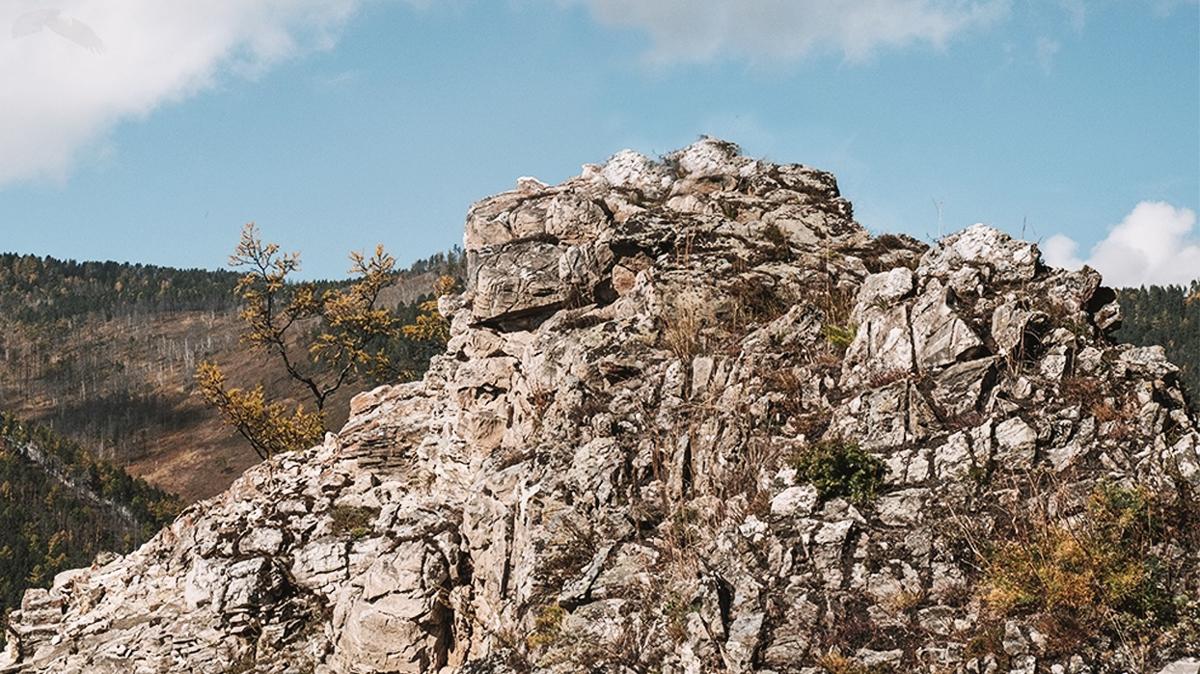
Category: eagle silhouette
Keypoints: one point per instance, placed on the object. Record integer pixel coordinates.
(69, 27)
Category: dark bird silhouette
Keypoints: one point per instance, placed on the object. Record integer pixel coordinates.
(69, 27)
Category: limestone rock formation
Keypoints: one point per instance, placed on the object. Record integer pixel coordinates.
(617, 465)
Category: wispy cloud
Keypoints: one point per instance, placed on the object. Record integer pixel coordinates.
(1154, 244)
(1165, 8)
(331, 81)
(701, 30)
(1076, 12)
(58, 98)
(34, 21)
(1045, 50)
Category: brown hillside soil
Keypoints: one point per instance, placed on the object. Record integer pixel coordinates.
(124, 388)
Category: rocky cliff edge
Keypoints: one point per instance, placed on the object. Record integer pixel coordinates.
(694, 418)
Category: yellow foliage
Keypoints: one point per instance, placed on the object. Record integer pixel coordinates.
(547, 627)
(269, 428)
(351, 325)
(323, 339)
(430, 325)
(1088, 574)
(352, 321)
(834, 662)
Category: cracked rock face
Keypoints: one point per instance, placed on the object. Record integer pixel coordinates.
(598, 474)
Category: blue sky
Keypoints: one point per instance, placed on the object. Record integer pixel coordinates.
(337, 124)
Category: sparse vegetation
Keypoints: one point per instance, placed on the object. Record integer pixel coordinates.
(571, 552)
(683, 333)
(1118, 416)
(1088, 392)
(905, 600)
(789, 387)
(834, 662)
(632, 647)
(352, 521)
(839, 468)
(840, 337)
(781, 248)
(676, 610)
(243, 665)
(60, 506)
(323, 338)
(886, 377)
(835, 304)
(755, 301)
(1110, 570)
(547, 627)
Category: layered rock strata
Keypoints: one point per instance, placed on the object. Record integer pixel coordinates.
(602, 472)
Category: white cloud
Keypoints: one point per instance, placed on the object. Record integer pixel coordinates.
(67, 77)
(700, 30)
(1061, 250)
(1154, 244)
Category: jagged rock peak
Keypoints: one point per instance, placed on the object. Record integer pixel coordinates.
(537, 248)
(709, 177)
(628, 460)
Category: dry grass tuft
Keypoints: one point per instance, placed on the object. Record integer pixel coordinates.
(1108, 571)
(689, 314)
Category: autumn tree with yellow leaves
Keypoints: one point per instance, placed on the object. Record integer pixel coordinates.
(323, 339)
(430, 325)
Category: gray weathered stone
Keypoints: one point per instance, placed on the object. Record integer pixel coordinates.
(598, 476)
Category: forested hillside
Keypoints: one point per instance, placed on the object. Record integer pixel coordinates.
(60, 506)
(104, 353)
(1170, 316)
(43, 290)
(100, 357)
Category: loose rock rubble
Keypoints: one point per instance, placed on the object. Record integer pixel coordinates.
(598, 474)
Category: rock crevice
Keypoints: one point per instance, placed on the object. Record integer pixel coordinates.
(602, 472)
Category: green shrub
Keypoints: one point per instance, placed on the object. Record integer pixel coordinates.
(353, 521)
(840, 468)
(840, 336)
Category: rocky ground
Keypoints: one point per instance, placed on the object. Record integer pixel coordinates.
(693, 418)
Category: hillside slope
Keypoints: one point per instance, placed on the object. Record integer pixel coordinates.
(60, 507)
(1170, 316)
(105, 354)
(693, 418)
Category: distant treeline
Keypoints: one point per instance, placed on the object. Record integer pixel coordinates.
(118, 388)
(452, 262)
(43, 289)
(1170, 316)
(40, 290)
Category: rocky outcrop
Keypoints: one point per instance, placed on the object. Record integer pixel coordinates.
(610, 468)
